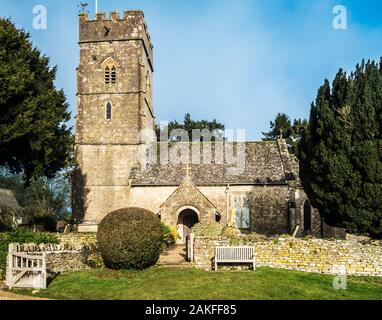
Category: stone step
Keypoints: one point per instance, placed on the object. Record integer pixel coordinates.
(175, 266)
(175, 257)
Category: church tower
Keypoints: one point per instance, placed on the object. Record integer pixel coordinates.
(114, 105)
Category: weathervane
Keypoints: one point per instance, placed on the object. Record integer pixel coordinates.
(83, 7)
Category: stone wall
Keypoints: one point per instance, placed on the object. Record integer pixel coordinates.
(75, 252)
(77, 241)
(316, 256)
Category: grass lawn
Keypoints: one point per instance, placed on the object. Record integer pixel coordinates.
(190, 284)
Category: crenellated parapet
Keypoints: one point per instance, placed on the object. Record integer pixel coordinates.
(129, 27)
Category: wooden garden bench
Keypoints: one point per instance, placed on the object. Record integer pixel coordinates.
(235, 255)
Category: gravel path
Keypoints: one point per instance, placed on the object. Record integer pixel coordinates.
(5, 295)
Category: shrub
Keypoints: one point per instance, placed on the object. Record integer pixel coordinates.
(21, 236)
(231, 232)
(255, 237)
(90, 256)
(208, 229)
(170, 235)
(130, 238)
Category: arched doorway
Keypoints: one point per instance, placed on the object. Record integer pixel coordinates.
(307, 216)
(187, 219)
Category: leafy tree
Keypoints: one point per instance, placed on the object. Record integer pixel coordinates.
(341, 151)
(283, 127)
(189, 125)
(34, 139)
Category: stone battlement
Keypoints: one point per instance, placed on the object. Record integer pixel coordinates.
(115, 27)
(113, 15)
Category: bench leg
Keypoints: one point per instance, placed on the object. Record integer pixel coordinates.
(216, 265)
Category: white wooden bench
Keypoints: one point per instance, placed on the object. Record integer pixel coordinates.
(235, 255)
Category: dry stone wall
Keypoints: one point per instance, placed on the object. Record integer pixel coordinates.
(78, 240)
(316, 256)
(75, 252)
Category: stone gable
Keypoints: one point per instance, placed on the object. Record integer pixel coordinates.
(187, 196)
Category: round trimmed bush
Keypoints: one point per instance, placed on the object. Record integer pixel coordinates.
(130, 238)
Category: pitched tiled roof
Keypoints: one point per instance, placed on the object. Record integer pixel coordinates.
(265, 163)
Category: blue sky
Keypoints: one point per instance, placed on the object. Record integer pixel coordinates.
(239, 61)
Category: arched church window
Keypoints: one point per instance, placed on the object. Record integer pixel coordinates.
(110, 67)
(108, 111)
(307, 216)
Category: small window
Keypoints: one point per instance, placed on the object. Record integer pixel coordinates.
(108, 111)
(242, 212)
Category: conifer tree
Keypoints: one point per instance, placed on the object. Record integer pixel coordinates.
(34, 138)
(340, 152)
(283, 127)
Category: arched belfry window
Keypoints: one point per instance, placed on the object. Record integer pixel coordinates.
(110, 67)
(109, 111)
(307, 216)
(107, 75)
(113, 75)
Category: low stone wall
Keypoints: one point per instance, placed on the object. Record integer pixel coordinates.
(76, 251)
(78, 240)
(316, 256)
(65, 261)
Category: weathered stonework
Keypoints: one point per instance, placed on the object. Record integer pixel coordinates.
(77, 241)
(187, 193)
(106, 149)
(315, 255)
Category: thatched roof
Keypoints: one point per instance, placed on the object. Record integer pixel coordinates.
(8, 201)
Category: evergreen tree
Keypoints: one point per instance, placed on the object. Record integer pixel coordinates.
(282, 127)
(189, 125)
(34, 139)
(340, 152)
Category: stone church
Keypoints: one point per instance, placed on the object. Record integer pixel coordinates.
(115, 105)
